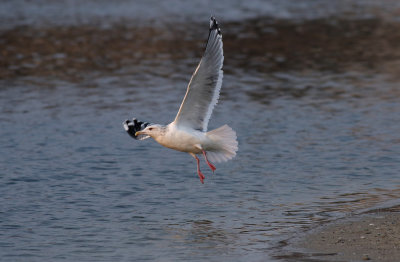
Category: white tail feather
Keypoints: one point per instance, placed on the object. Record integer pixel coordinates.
(226, 144)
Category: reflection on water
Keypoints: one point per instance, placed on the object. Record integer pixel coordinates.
(314, 103)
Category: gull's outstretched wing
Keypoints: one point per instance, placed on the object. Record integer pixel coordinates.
(133, 126)
(204, 86)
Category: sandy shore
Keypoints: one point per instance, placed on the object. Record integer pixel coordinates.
(371, 236)
(70, 52)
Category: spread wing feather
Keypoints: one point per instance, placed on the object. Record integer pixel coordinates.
(203, 90)
(133, 126)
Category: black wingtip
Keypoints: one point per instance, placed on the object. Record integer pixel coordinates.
(133, 126)
(214, 25)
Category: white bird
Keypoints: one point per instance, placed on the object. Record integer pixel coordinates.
(188, 132)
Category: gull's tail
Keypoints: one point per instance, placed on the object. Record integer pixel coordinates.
(226, 144)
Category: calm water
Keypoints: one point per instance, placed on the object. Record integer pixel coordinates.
(317, 140)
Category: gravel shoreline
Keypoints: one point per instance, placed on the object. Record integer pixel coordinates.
(371, 236)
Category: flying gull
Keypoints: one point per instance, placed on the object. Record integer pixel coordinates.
(188, 132)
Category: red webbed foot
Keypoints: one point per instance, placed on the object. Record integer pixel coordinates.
(213, 168)
(201, 176)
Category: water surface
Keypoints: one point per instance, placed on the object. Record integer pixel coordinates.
(314, 102)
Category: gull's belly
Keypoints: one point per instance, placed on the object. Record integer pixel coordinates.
(184, 141)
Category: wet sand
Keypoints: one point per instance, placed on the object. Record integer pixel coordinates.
(372, 236)
(261, 44)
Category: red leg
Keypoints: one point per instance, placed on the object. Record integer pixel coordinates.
(201, 176)
(213, 168)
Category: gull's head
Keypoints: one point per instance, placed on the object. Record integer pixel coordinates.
(152, 130)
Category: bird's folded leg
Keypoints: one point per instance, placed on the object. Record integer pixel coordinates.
(213, 168)
(201, 176)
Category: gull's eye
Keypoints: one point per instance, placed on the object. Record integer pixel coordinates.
(150, 128)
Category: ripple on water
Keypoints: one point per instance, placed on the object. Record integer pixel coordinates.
(318, 137)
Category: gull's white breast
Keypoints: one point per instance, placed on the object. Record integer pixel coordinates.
(183, 139)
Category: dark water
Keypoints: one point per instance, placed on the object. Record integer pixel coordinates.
(314, 101)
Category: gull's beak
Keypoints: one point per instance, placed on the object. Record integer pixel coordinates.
(138, 133)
